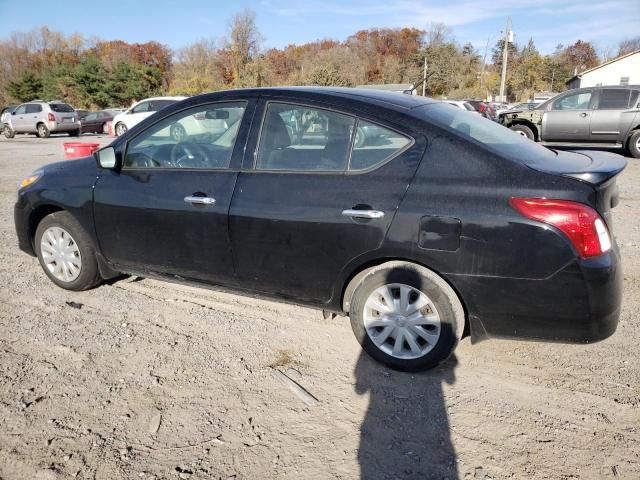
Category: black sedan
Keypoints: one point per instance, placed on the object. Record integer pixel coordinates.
(96, 122)
(448, 224)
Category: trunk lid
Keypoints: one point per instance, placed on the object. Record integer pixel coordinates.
(595, 168)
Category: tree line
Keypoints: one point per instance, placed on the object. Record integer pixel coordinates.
(93, 73)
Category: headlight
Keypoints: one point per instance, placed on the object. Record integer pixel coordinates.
(31, 179)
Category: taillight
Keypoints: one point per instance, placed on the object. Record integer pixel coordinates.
(482, 107)
(579, 222)
(51, 117)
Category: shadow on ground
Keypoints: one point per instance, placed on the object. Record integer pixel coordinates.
(405, 432)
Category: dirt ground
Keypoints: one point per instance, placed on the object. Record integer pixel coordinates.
(150, 380)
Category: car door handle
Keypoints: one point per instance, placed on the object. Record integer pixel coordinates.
(583, 114)
(200, 200)
(362, 213)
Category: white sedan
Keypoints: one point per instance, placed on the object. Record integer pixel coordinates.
(141, 110)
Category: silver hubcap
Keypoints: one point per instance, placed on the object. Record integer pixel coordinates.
(402, 321)
(522, 134)
(638, 144)
(121, 129)
(60, 254)
(42, 131)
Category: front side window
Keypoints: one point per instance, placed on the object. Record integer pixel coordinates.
(141, 107)
(21, 110)
(91, 117)
(301, 138)
(613, 99)
(201, 137)
(576, 101)
(374, 144)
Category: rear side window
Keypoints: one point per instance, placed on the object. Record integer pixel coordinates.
(34, 108)
(61, 107)
(634, 98)
(157, 105)
(374, 144)
(300, 138)
(614, 99)
(492, 135)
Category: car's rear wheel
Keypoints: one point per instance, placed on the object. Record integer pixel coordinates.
(8, 132)
(121, 129)
(66, 252)
(524, 131)
(178, 132)
(634, 144)
(74, 133)
(43, 131)
(406, 316)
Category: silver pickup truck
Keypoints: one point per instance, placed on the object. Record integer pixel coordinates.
(607, 117)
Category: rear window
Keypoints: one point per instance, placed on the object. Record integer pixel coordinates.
(61, 107)
(492, 135)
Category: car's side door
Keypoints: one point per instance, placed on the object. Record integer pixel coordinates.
(569, 118)
(165, 210)
(138, 113)
(18, 118)
(33, 115)
(89, 122)
(606, 122)
(309, 201)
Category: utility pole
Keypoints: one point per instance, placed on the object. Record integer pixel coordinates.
(484, 63)
(508, 36)
(553, 74)
(424, 78)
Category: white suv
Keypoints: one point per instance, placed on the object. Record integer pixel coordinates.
(141, 110)
(43, 119)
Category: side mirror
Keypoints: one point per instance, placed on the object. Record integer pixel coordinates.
(106, 158)
(13, 113)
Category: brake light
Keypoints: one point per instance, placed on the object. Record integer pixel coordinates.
(51, 117)
(482, 107)
(580, 223)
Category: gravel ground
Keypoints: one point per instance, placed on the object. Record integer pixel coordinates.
(143, 379)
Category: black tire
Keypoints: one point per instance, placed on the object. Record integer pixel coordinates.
(43, 131)
(89, 274)
(524, 131)
(439, 292)
(74, 133)
(8, 132)
(178, 133)
(103, 129)
(633, 144)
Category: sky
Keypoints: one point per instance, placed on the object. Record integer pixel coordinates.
(177, 23)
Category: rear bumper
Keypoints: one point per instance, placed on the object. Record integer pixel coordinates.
(63, 127)
(579, 304)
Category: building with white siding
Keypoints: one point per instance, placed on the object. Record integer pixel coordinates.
(624, 70)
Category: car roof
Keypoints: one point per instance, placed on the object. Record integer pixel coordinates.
(399, 101)
(162, 98)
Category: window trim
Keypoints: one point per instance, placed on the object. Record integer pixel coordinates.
(346, 170)
(244, 101)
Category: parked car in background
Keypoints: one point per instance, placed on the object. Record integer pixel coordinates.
(96, 122)
(4, 115)
(141, 110)
(82, 113)
(43, 119)
(607, 117)
(394, 234)
(484, 109)
(462, 104)
(499, 107)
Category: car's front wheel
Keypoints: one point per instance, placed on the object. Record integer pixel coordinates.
(66, 252)
(8, 132)
(74, 133)
(121, 129)
(523, 130)
(406, 316)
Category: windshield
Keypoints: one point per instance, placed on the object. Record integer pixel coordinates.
(61, 107)
(494, 136)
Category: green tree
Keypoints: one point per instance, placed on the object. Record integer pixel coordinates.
(28, 87)
(327, 76)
